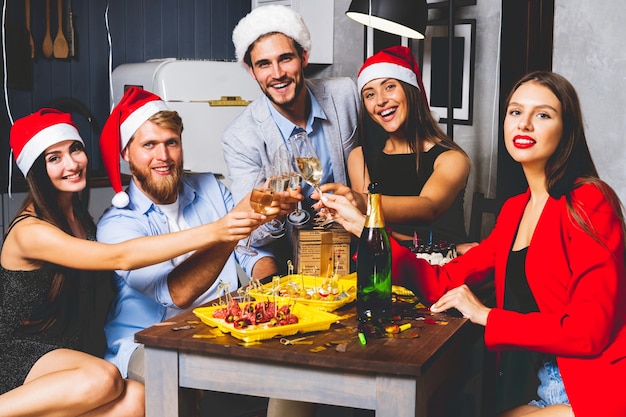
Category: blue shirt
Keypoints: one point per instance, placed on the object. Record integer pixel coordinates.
(315, 132)
(142, 296)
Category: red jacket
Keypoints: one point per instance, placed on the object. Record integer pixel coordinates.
(578, 283)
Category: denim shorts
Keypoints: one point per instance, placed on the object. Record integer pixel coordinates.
(551, 390)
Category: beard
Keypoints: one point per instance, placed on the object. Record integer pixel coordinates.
(288, 102)
(163, 190)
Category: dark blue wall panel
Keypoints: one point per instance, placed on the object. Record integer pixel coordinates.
(140, 30)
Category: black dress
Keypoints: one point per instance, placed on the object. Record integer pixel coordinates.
(22, 295)
(396, 175)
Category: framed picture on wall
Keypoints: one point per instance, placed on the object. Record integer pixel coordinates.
(435, 69)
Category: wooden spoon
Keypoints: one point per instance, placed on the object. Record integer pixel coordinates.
(61, 49)
(30, 35)
(47, 40)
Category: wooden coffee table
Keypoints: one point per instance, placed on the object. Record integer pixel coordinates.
(397, 377)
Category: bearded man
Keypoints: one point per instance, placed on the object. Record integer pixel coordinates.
(162, 199)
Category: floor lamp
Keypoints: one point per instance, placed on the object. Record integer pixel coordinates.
(406, 18)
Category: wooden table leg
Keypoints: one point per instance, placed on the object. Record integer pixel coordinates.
(161, 375)
(395, 397)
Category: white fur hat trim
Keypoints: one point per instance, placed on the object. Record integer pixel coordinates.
(386, 70)
(267, 19)
(137, 118)
(42, 140)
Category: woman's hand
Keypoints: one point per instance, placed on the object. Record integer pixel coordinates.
(462, 248)
(464, 300)
(357, 199)
(345, 213)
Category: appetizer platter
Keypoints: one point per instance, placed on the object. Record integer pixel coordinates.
(253, 321)
(322, 293)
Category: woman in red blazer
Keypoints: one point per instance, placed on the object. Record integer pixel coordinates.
(557, 252)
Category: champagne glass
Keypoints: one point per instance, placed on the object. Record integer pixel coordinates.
(261, 199)
(298, 217)
(279, 177)
(307, 161)
(310, 169)
(280, 170)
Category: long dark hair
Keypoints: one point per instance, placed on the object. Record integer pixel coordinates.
(571, 165)
(43, 196)
(418, 127)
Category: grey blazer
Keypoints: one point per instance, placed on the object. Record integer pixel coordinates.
(251, 140)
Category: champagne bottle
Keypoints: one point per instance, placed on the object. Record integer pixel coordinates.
(373, 302)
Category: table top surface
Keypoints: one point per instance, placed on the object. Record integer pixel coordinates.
(407, 353)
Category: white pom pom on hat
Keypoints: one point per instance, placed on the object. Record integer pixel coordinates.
(136, 106)
(268, 19)
(120, 200)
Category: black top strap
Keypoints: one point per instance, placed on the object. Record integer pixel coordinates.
(17, 220)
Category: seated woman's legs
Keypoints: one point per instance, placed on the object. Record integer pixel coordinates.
(70, 383)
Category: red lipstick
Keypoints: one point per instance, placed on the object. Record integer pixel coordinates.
(523, 142)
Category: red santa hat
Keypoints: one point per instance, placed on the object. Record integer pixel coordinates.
(136, 107)
(394, 62)
(33, 134)
(269, 19)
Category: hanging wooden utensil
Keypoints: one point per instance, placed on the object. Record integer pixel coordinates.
(61, 50)
(30, 35)
(47, 40)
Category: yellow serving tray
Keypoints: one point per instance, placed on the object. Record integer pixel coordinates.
(309, 320)
(346, 285)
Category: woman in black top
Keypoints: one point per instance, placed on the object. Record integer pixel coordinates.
(420, 172)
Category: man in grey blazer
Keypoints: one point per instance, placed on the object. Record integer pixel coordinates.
(273, 43)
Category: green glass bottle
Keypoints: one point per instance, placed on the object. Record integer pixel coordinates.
(373, 301)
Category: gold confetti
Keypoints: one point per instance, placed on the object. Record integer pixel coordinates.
(204, 336)
(208, 333)
(165, 323)
(317, 349)
(249, 343)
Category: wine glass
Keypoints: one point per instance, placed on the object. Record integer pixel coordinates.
(307, 161)
(279, 177)
(280, 169)
(298, 217)
(310, 169)
(261, 199)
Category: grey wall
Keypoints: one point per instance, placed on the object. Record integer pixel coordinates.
(480, 140)
(589, 51)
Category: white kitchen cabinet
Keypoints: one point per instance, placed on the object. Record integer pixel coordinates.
(319, 16)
